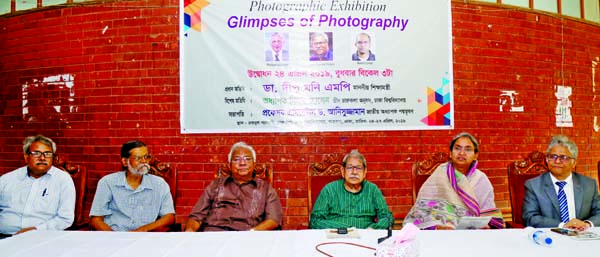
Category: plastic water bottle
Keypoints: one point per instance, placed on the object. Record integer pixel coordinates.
(539, 237)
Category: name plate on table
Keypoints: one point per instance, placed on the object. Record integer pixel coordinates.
(468, 222)
(332, 233)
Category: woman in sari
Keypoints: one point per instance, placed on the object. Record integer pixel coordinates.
(456, 189)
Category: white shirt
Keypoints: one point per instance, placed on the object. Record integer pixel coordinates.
(47, 203)
(568, 188)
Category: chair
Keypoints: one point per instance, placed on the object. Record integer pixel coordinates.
(79, 175)
(165, 171)
(321, 173)
(261, 170)
(518, 173)
(421, 170)
(169, 174)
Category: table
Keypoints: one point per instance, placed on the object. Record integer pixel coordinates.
(464, 243)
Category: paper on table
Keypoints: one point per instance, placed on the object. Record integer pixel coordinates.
(468, 222)
(586, 235)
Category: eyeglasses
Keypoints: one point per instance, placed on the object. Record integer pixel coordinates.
(562, 158)
(459, 149)
(355, 168)
(146, 157)
(239, 159)
(38, 154)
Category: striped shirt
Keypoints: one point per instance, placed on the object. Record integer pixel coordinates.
(336, 207)
(125, 209)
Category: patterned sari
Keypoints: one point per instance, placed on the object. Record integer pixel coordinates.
(448, 195)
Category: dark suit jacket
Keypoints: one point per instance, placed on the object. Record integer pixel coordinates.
(285, 56)
(371, 56)
(540, 203)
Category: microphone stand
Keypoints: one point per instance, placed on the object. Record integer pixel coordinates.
(389, 232)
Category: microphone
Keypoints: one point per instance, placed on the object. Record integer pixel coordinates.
(389, 232)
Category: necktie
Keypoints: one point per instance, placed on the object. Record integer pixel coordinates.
(276, 57)
(562, 202)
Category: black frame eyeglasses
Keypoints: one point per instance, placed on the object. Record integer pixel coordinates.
(355, 168)
(38, 154)
(146, 157)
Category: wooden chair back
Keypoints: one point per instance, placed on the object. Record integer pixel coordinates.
(79, 175)
(518, 173)
(421, 170)
(167, 172)
(321, 173)
(261, 170)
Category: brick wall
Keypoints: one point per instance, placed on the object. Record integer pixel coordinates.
(119, 81)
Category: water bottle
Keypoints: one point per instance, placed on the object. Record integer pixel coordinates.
(539, 236)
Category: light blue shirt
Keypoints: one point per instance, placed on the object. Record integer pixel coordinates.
(126, 209)
(47, 203)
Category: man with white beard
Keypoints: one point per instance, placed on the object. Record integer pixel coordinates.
(132, 200)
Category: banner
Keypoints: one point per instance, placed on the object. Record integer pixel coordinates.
(315, 65)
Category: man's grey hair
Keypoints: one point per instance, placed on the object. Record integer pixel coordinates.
(355, 154)
(363, 34)
(276, 34)
(564, 141)
(39, 138)
(241, 145)
(317, 34)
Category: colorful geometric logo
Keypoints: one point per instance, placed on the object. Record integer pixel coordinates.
(191, 14)
(438, 105)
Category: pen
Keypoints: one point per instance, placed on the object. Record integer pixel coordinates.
(44, 193)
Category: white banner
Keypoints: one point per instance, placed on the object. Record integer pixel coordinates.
(315, 65)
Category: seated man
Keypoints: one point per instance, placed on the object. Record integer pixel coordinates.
(561, 197)
(132, 200)
(454, 190)
(37, 196)
(351, 201)
(239, 201)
